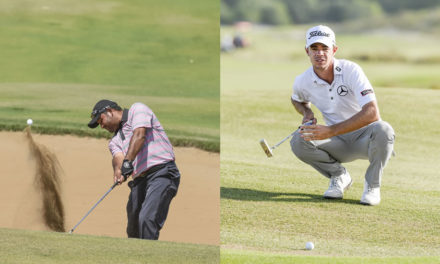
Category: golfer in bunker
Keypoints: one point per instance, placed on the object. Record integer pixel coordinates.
(142, 150)
(353, 128)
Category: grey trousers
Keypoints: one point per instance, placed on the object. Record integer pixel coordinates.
(373, 142)
(149, 201)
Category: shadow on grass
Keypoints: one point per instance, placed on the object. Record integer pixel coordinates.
(256, 195)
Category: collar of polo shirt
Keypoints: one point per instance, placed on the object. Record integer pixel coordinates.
(337, 70)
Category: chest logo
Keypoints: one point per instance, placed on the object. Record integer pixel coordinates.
(342, 90)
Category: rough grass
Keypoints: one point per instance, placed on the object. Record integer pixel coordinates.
(275, 205)
(20, 246)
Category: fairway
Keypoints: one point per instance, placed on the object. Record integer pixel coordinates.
(250, 257)
(18, 246)
(275, 205)
(60, 57)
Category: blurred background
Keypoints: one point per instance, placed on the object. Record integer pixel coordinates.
(401, 14)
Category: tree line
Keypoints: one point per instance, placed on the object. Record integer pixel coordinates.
(282, 12)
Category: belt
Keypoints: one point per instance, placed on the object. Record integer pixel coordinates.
(154, 169)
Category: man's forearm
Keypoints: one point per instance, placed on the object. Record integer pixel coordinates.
(117, 161)
(368, 115)
(303, 108)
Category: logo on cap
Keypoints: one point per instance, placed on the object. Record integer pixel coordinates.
(321, 34)
(318, 33)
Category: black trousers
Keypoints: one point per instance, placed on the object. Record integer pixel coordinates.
(149, 200)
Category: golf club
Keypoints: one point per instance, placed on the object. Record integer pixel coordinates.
(269, 150)
(111, 188)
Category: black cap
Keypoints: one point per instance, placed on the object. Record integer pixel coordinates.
(100, 107)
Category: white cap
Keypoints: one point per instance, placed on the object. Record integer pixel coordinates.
(321, 34)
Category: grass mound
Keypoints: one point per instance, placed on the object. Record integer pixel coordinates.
(20, 246)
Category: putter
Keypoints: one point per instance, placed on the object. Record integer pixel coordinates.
(269, 150)
(111, 188)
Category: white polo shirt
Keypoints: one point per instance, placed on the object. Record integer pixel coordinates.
(338, 101)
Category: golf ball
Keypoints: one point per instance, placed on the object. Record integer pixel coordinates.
(310, 246)
(29, 122)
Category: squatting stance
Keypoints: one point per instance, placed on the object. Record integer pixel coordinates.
(353, 130)
(141, 149)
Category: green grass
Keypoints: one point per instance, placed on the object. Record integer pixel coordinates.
(250, 257)
(274, 206)
(20, 246)
(56, 109)
(60, 57)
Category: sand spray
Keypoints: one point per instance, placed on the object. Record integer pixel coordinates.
(47, 181)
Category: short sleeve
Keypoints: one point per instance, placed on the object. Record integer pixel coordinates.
(141, 116)
(114, 147)
(297, 94)
(361, 86)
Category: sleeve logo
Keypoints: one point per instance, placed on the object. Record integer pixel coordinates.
(368, 91)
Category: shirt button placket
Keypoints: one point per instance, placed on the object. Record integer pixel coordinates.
(330, 90)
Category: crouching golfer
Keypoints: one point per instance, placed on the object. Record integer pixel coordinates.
(140, 149)
(353, 130)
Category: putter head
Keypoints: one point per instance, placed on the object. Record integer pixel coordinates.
(266, 148)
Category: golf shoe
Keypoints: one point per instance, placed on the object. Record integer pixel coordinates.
(338, 184)
(371, 196)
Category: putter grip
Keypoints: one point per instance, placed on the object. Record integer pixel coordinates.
(308, 123)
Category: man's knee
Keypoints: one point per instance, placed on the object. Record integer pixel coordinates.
(383, 132)
(300, 147)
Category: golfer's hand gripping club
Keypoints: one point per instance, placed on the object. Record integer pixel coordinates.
(127, 168)
(308, 123)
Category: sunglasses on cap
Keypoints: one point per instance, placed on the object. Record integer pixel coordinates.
(100, 111)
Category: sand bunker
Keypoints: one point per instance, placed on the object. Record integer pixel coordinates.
(194, 215)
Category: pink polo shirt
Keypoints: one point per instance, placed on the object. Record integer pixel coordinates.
(157, 148)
